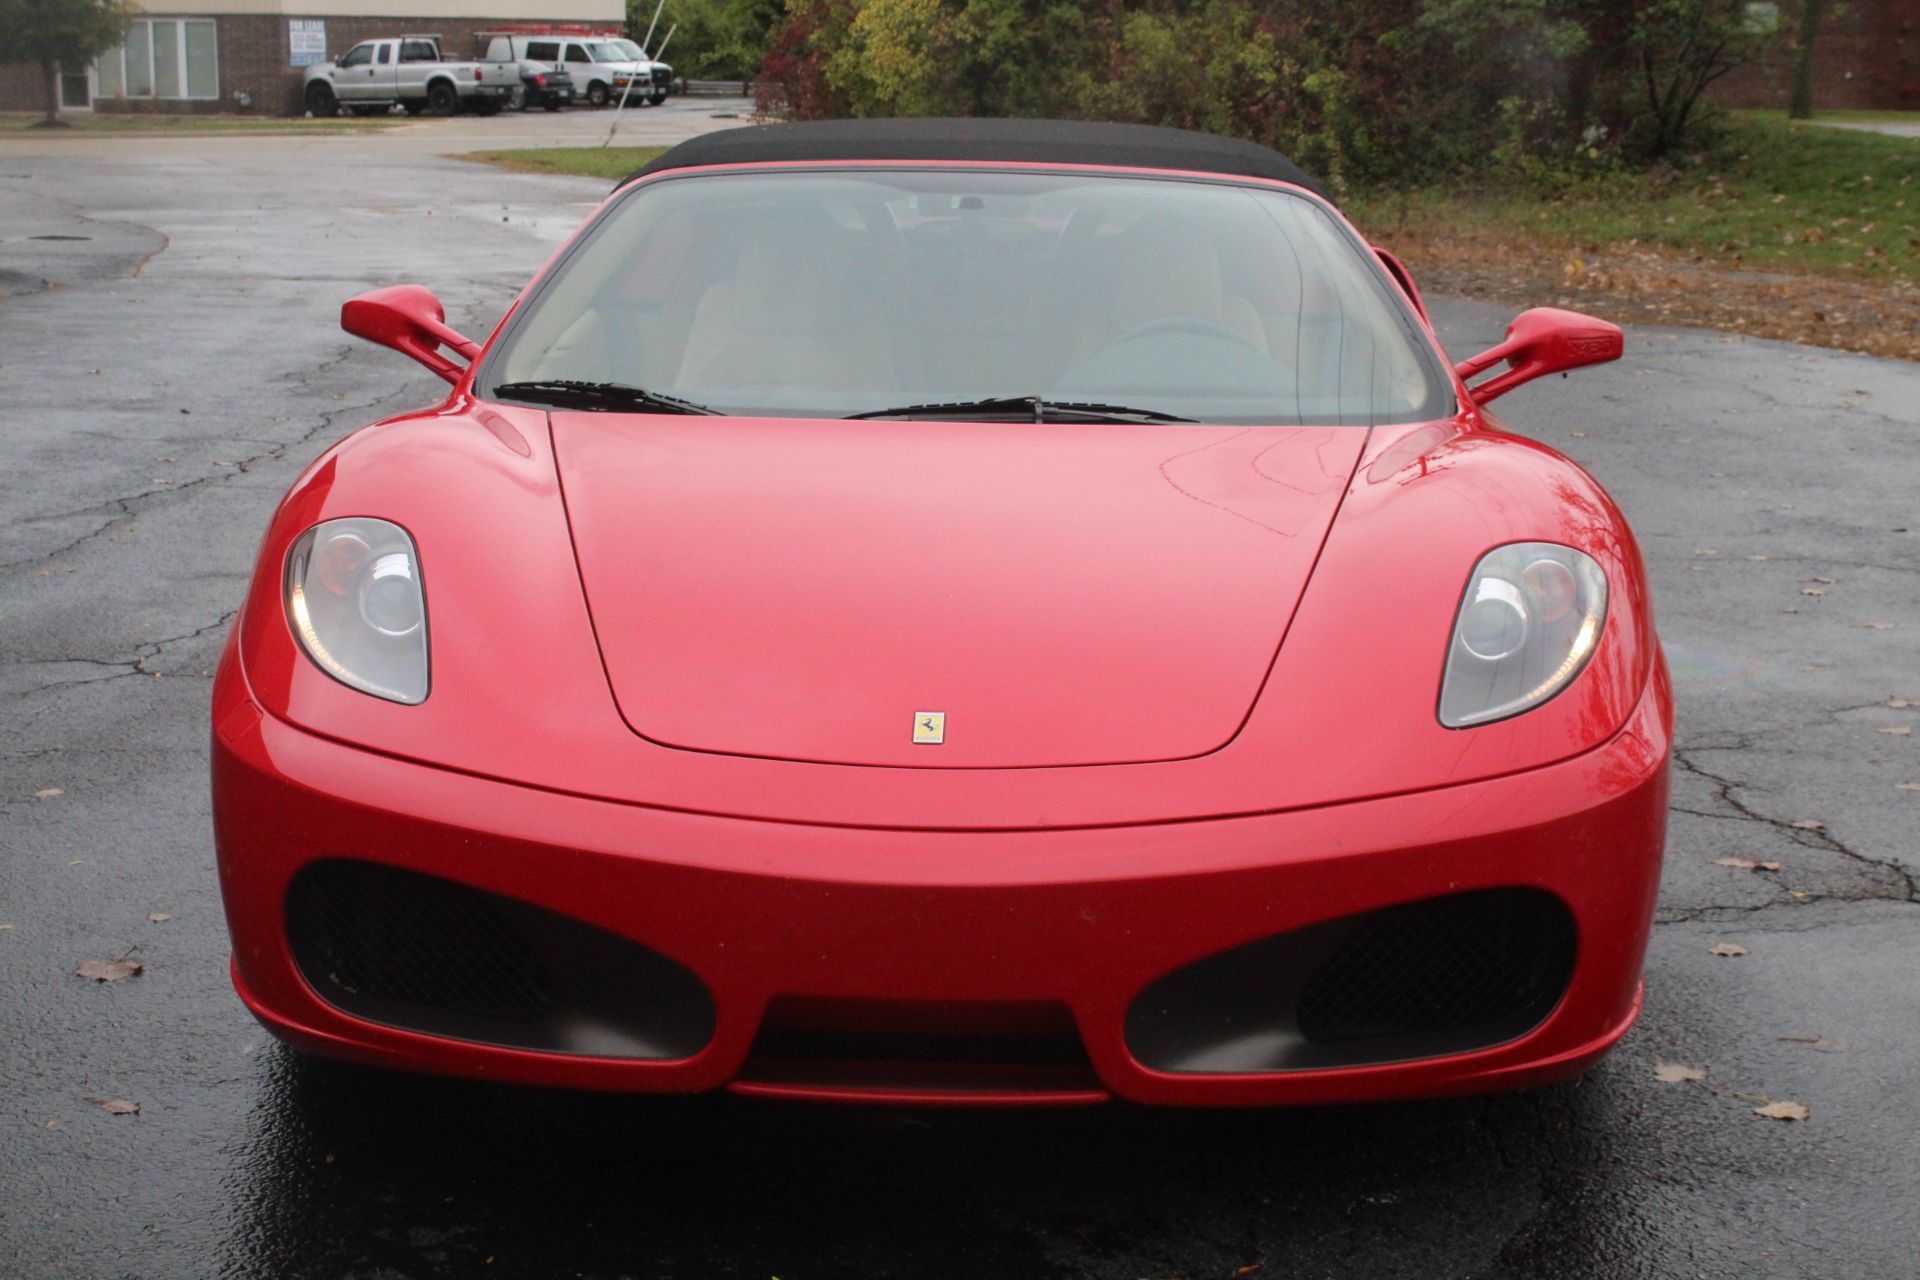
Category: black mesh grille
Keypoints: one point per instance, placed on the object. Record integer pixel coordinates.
(367, 933)
(1489, 959)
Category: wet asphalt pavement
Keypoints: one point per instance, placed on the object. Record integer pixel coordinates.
(186, 364)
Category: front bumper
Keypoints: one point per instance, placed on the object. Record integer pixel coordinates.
(778, 916)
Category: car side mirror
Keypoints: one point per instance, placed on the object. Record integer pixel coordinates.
(1541, 341)
(408, 318)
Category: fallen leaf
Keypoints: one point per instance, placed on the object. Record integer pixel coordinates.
(1746, 864)
(1898, 730)
(1873, 626)
(1813, 591)
(1759, 557)
(1674, 1073)
(1250, 1269)
(1903, 704)
(1907, 786)
(1821, 1043)
(1783, 1111)
(48, 793)
(114, 1106)
(1727, 949)
(1809, 824)
(159, 917)
(111, 970)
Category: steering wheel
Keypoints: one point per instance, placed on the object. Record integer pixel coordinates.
(1164, 326)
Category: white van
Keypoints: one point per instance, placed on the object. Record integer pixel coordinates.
(600, 69)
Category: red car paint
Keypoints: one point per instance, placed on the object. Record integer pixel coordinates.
(1192, 766)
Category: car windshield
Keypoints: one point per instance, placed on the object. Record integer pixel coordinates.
(830, 293)
(626, 49)
(607, 53)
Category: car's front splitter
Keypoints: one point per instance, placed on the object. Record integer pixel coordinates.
(812, 936)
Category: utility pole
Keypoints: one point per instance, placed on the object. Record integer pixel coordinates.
(1801, 108)
(646, 43)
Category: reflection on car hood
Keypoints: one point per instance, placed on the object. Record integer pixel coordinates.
(1064, 594)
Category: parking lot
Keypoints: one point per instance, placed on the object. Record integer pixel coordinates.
(170, 359)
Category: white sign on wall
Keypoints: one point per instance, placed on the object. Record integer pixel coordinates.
(306, 41)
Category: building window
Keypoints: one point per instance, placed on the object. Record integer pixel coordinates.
(163, 58)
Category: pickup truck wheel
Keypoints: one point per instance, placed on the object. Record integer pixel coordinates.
(597, 94)
(442, 100)
(657, 99)
(320, 99)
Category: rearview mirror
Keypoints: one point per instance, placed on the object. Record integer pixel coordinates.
(408, 318)
(1541, 341)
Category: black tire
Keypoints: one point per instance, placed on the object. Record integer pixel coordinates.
(320, 99)
(657, 99)
(442, 100)
(413, 106)
(597, 94)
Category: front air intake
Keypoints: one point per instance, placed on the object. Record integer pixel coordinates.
(434, 956)
(1470, 960)
(1443, 975)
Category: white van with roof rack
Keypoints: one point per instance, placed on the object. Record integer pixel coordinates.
(601, 66)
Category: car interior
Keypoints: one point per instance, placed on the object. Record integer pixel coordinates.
(1204, 300)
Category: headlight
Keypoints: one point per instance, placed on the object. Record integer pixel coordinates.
(1529, 621)
(355, 603)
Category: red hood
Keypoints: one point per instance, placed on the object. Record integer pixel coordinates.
(1066, 595)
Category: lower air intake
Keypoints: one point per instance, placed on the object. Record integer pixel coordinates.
(1470, 960)
(1443, 975)
(441, 958)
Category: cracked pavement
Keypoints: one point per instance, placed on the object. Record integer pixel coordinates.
(167, 377)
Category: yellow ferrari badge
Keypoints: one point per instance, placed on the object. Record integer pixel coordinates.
(930, 727)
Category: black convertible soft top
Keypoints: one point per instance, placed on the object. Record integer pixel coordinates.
(1138, 146)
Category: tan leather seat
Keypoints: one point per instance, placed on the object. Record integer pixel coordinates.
(1167, 271)
(792, 316)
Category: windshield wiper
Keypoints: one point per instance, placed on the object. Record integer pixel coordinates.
(565, 393)
(1029, 409)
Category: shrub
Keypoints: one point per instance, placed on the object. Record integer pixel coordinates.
(1550, 92)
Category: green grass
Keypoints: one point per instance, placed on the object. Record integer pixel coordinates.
(1839, 117)
(157, 122)
(611, 163)
(1774, 195)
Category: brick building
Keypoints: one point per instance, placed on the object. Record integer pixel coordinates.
(249, 56)
(1867, 58)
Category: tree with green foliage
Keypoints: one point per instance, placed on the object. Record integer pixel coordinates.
(1801, 108)
(1549, 92)
(60, 33)
(1683, 46)
(713, 39)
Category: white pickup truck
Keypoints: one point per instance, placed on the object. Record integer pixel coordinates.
(375, 74)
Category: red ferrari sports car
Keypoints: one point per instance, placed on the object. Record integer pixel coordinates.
(951, 611)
